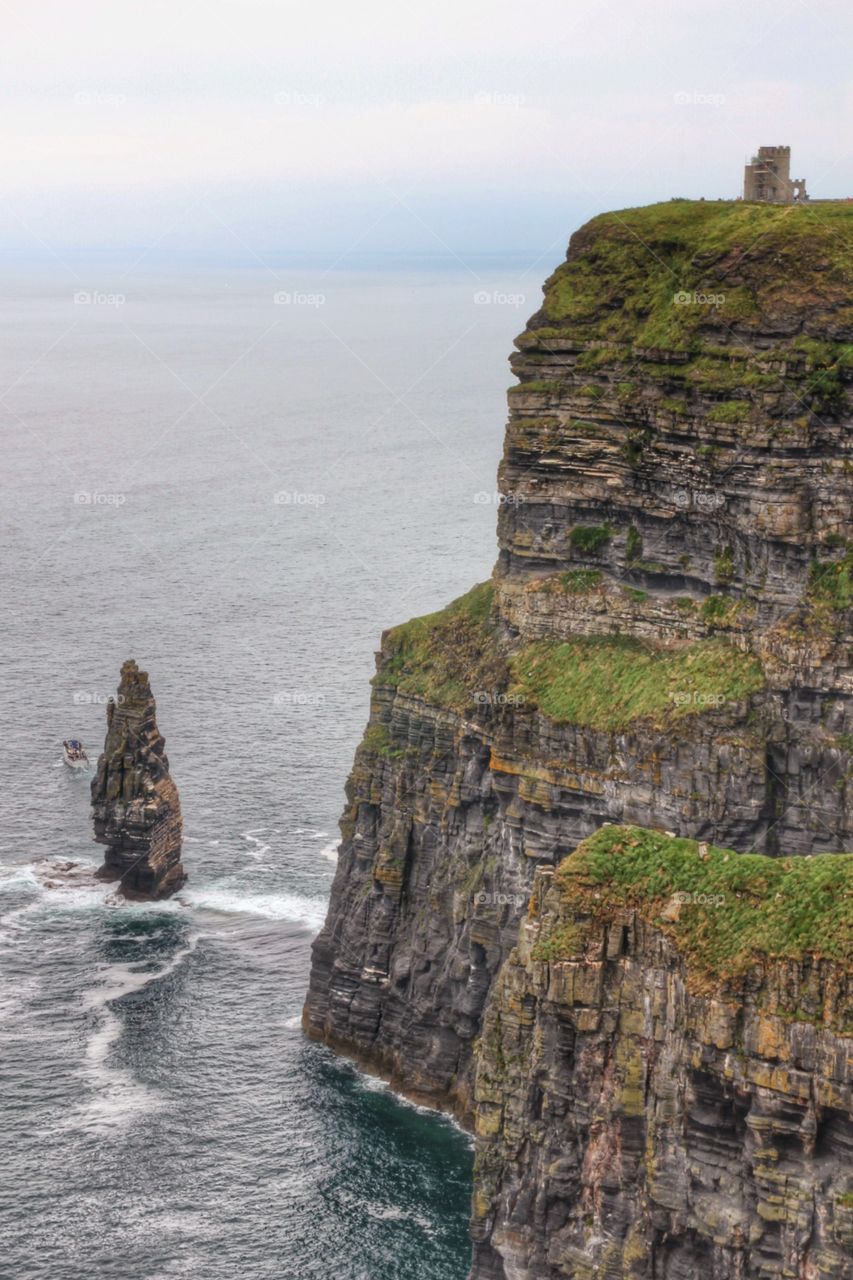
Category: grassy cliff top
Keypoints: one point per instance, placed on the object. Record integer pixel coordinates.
(724, 910)
(632, 275)
(453, 659)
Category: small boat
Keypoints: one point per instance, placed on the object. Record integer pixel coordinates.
(74, 754)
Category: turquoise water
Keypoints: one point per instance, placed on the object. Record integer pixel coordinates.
(162, 1114)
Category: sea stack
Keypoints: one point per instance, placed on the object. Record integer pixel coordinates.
(136, 806)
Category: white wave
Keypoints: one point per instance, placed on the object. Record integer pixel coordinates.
(330, 851)
(117, 1097)
(20, 877)
(318, 835)
(270, 906)
(252, 836)
(64, 886)
(374, 1084)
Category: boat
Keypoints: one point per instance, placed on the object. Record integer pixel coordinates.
(74, 753)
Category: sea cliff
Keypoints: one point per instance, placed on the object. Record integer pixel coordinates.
(665, 643)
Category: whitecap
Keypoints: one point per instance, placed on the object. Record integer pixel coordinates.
(18, 877)
(229, 900)
(330, 851)
(117, 1097)
(260, 847)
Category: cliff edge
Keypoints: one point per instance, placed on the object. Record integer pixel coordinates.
(665, 641)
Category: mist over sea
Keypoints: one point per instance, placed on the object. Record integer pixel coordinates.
(240, 493)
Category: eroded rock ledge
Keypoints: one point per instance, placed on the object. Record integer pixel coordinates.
(135, 803)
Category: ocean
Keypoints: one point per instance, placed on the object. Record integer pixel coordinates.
(238, 476)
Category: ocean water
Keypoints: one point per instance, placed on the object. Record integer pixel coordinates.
(240, 494)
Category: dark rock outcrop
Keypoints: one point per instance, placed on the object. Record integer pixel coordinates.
(136, 807)
(666, 640)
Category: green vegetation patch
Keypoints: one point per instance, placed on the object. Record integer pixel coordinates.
(578, 582)
(724, 910)
(562, 944)
(536, 385)
(831, 582)
(590, 538)
(377, 739)
(609, 682)
(668, 275)
(448, 657)
(730, 411)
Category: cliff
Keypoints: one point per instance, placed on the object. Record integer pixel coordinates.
(665, 640)
(135, 803)
(665, 1075)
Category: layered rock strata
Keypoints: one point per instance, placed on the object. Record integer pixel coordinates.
(665, 1075)
(135, 803)
(665, 640)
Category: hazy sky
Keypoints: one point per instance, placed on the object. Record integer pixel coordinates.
(362, 125)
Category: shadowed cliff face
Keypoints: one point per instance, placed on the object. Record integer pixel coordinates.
(665, 641)
(135, 803)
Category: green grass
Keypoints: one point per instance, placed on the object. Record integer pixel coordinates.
(534, 385)
(633, 545)
(609, 682)
(831, 582)
(578, 582)
(730, 412)
(590, 538)
(449, 657)
(446, 657)
(377, 738)
(562, 944)
(627, 267)
(739, 907)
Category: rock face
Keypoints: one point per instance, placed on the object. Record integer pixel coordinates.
(665, 641)
(657, 1095)
(137, 810)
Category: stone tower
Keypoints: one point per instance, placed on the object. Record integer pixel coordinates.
(767, 177)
